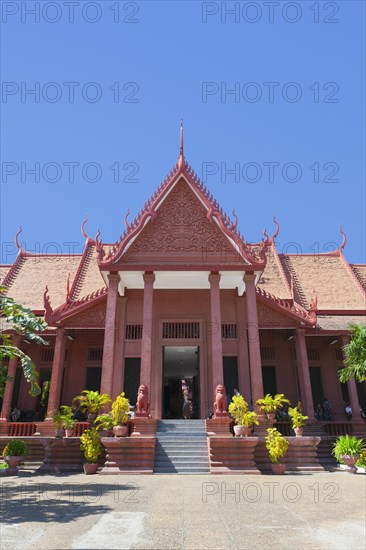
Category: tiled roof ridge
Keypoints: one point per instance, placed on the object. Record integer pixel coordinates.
(297, 286)
(289, 305)
(81, 270)
(282, 271)
(214, 209)
(360, 276)
(14, 270)
(353, 275)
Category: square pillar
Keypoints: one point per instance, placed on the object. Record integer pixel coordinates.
(9, 386)
(119, 355)
(216, 341)
(352, 388)
(110, 335)
(304, 375)
(243, 370)
(147, 329)
(56, 376)
(256, 377)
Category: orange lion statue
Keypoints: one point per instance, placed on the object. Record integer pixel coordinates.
(220, 399)
(142, 405)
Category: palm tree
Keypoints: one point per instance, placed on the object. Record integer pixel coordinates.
(355, 355)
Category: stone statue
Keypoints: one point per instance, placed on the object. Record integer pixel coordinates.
(220, 399)
(142, 404)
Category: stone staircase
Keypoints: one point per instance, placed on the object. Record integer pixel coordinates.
(181, 447)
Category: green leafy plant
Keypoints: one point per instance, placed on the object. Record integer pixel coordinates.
(90, 444)
(22, 321)
(120, 409)
(355, 355)
(67, 413)
(348, 445)
(91, 401)
(296, 417)
(270, 404)
(58, 419)
(105, 422)
(238, 408)
(15, 447)
(45, 395)
(250, 418)
(361, 462)
(276, 445)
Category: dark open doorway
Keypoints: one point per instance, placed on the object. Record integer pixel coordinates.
(180, 378)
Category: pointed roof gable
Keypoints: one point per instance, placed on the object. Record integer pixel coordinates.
(183, 184)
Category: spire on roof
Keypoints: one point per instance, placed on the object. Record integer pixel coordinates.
(181, 146)
(344, 239)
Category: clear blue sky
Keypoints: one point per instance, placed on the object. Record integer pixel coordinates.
(164, 60)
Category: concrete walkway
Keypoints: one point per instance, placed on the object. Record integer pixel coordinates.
(319, 511)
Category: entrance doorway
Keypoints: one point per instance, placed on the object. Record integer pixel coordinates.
(181, 381)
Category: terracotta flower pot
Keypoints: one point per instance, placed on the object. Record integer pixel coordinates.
(13, 463)
(120, 431)
(298, 431)
(350, 461)
(241, 431)
(278, 469)
(69, 432)
(90, 468)
(271, 417)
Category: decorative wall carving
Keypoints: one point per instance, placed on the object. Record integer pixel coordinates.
(91, 317)
(268, 316)
(181, 230)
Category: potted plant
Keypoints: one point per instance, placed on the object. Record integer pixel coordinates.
(91, 402)
(347, 450)
(68, 419)
(91, 445)
(297, 419)
(14, 453)
(270, 405)
(119, 413)
(361, 463)
(276, 446)
(58, 419)
(244, 419)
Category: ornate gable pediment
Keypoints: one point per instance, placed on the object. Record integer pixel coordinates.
(181, 233)
(269, 317)
(90, 317)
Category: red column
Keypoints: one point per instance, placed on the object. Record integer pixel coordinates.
(216, 341)
(256, 378)
(243, 370)
(56, 376)
(119, 356)
(110, 335)
(304, 375)
(9, 386)
(146, 342)
(352, 388)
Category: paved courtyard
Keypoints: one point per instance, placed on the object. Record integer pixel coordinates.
(318, 511)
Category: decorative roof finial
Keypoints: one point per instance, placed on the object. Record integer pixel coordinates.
(181, 146)
(83, 227)
(277, 227)
(16, 238)
(47, 304)
(344, 239)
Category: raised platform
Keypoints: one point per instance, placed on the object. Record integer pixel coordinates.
(129, 455)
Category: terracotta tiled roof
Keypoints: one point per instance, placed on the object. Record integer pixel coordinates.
(360, 272)
(338, 322)
(33, 273)
(3, 271)
(334, 284)
(273, 279)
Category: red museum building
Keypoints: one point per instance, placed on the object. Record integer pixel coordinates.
(182, 296)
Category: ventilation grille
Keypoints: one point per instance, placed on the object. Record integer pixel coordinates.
(339, 354)
(47, 355)
(267, 353)
(181, 330)
(229, 331)
(133, 332)
(95, 354)
(313, 354)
